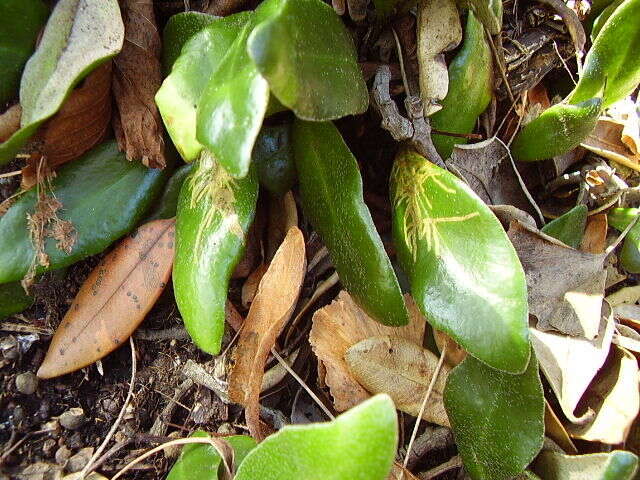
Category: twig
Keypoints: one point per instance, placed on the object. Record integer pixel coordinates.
(470, 136)
(501, 69)
(436, 372)
(199, 375)
(10, 174)
(173, 333)
(159, 427)
(115, 425)
(453, 462)
(433, 438)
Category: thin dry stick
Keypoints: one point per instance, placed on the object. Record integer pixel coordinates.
(302, 383)
(10, 174)
(414, 433)
(501, 69)
(88, 467)
(179, 441)
(612, 247)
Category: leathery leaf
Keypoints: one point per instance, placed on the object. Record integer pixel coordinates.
(464, 273)
(214, 214)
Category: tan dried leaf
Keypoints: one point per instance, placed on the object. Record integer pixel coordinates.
(342, 324)
(595, 234)
(250, 286)
(554, 429)
(136, 80)
(606, 140)
(283, 214)
(401, 369)
(271, 309)
(10, 121)
(455, 354)
(615, 399)
(439, 31)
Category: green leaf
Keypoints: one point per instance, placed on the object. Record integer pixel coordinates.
(359, 444)
(568, 228)
(13, 299)
(180, 28)
(79, 36)
(464, 273)
(331, 191)
(103, 181)
(620, 218)
(307, 56)
(616, 465)
(497, 418)
(232, 107)
(613, 63)
(273, 155)
(201, 462)
(21, 21)
(489, 12)
(180, 93)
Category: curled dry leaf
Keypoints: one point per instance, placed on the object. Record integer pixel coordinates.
(606, 140)
(455, 354)
(439, 31)
(565, 286)
(283, 214)
(554, 429)
(113, 300)
(594, 239)
(339, 326)
(570, 363)
(137, 78)
(615, 399)
(271, 308)
(401, 369)
(250, 286)
(79, 125)
(10, 122)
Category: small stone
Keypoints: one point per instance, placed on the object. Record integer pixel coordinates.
(226, 428)
(9, 347)
(73, 418)
(62, 455)
(79, 460)
(27, 383)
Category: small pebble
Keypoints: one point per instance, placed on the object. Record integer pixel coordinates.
(9, 347)
(73, 418)
(62, 455)
(79, 460)
(27, 383)
(226, 428)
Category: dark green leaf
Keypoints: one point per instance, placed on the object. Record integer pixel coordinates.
(359, 444)
(568, 228)
(13, 299)
(273, 155)
(79, 36)
(304, 51)
(180, 28)
(497, 418)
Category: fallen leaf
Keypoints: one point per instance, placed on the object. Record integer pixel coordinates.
(570, 363)
(439, 31)
(271, 308)
(606, 140)
(565, 286)
(113, 300)
(486, 167)
(250, 286)
(401, 369)
(10, 121)
(615, 399)
(626, 337)
(455, 354)
(595, 234)
(554, 429)
(283, 214)
(80, 124)
(616, 465)
(137, 78)
(624, 296)
(342, 324)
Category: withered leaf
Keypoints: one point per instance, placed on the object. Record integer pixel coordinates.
(401, 369)
(595, 234)
(565, 286)
(606, 140)
(113, 300)
(554, 429)
(570, 363)
(10, 122)
(615, 399)
(271, 308)
(137, 78)
(342, 324)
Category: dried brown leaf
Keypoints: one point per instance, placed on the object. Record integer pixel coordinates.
(342, 324)
(113, 300)
(271, 309)
(454, 354)
(615, 399)
(595, 234)
(137, 78)
(554, 429)
(401, 369)
(250, 286)
(10, 122)
(606, 140)
(565, 286)
(283, 214)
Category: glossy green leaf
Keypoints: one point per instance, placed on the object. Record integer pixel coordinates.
(273, 155)
(568, 228)
(232, 107)
(214, 215)
(167, 204)
(180, 28)
(497, 418)
(180, 93)
(464, 273)
(359, 444)
(13, 299)
(489, 12)
(620, 218)
(612, 63)
(602, 18)
(79, 36)
(21, 21)
(616, 465)
(103, 195)
(470, 88)
(331, 191)
(201, 462)
(556, 131)
(306, 54)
